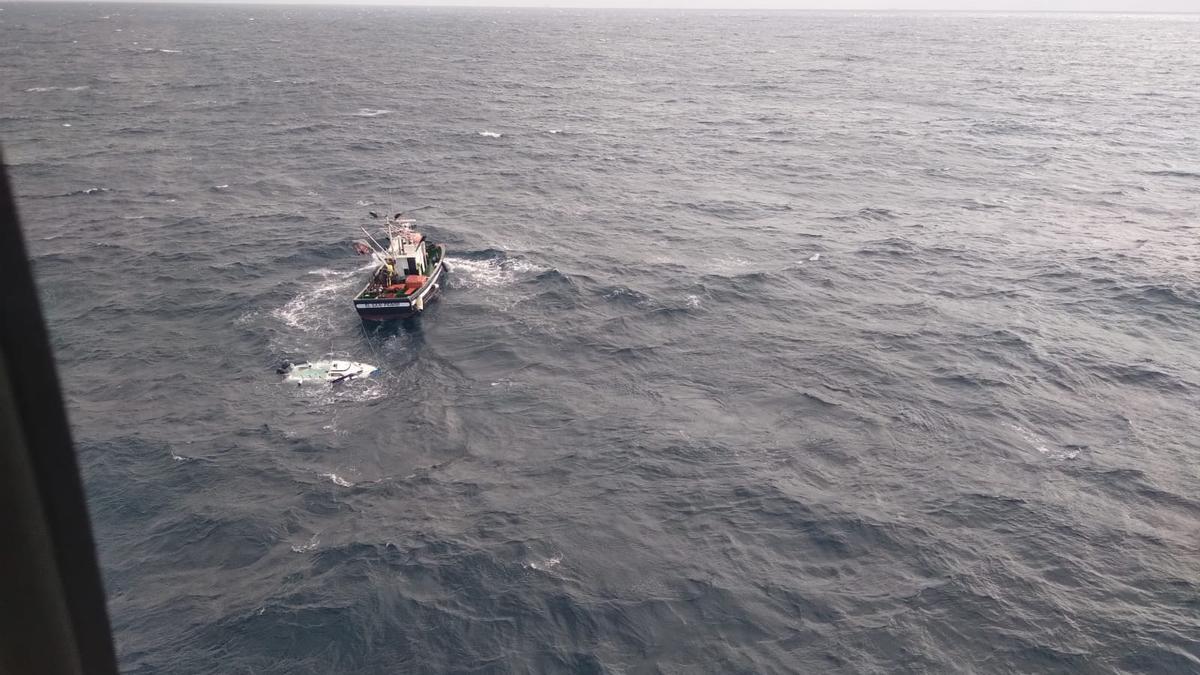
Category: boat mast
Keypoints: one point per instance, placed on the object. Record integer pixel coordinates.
(381, 250)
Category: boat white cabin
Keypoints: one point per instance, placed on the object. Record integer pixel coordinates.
(408, 277)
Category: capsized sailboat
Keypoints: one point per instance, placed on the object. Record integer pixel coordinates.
(325, 372)
(409, 273)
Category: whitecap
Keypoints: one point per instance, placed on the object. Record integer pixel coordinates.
(545, 564)
(815, 257)
(220, 187)
(554, 131)
(337, 480)
(171, 51)
(1033, 439)
(307, 546)
(693, 301)
(65, 124)
(371, 112)
(490, 134)
(522, 266)
(39, 90)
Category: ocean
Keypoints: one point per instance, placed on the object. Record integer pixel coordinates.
(772, 342)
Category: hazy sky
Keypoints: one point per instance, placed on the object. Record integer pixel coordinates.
(965, 5)
(998, 5)
(968, 5)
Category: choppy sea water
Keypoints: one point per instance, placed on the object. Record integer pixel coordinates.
(846, 343)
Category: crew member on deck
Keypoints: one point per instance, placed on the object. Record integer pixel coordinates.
(390, 264)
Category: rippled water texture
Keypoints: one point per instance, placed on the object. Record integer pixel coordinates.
(829, 343)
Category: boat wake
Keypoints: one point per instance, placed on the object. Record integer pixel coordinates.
(310, 311)
(475, 273)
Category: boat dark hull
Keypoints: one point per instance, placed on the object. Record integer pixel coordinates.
(392, 309)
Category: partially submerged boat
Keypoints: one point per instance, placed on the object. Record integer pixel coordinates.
(409, 273)
(325, 372)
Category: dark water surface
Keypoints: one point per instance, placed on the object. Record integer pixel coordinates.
(829, 343)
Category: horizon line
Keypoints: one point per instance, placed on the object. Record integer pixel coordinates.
(467, 4)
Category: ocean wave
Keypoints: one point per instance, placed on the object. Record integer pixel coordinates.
(626, 295)
(1043, 446)
(544, 564)
(490, 134)
(1165, 294)
(870, 213)
(736, 280)
(1154, 376)
(890, 246)
(1172, 173)
(311, 128)
(372, 112)
(42, 90)
(86, 191)
(337, 480)
(307, 546)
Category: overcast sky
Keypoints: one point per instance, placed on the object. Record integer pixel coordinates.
(969, 5)
(1191, 6)
(977, 5)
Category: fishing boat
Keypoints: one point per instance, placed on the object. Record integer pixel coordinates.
(409, 272)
